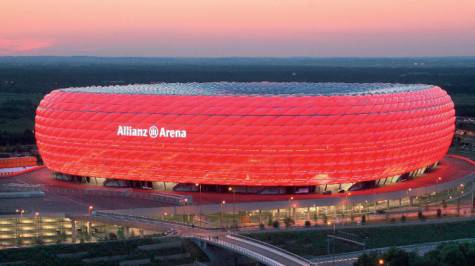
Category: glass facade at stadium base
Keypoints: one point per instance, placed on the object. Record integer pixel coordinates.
(262, 190)
(314, 137)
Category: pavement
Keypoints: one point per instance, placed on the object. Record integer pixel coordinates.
(70, 199)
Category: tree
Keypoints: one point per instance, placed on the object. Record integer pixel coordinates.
(452, 255)
(289, 222)
(439, 213)
(403, 218)
(325, 219)
(366, 259)
(420, 215)
(395, 256)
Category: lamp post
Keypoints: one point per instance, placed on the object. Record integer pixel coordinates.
(231, 189)
(185, 214)
(90, 209)
(408, 198)
(437, 187)
(471, 198)
(462, 186)
(222, 211)
(347, 203)
(199, 204)
(290, 206)
(18, 224)
(20, 212)
(37, 225)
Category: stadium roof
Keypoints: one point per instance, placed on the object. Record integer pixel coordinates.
(254, 88)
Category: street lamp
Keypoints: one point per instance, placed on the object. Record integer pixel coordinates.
(462, 186)
(222, 211)
(20, 212)
(334, 226)
(37, 225)
(408, 198)
(230, 189)
(199, 204)
(380, 262)
(347, 203)
(90, 210)
(290, 206)
(18, 224)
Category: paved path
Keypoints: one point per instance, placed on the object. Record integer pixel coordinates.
(262, 252)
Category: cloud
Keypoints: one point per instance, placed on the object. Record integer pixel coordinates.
(22, 46)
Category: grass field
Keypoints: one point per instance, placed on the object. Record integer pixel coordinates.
(186, 252)
(313, 243)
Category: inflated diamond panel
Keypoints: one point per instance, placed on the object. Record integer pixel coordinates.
(265, 137)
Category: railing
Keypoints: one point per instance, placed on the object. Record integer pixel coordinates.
(241, 250)
(31, 169)
(148, 220)
(272, 247)
(131, 193)
(18, 187)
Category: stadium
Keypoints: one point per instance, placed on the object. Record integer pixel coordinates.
(258, 137)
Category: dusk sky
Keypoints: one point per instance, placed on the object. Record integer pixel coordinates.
(238, 28)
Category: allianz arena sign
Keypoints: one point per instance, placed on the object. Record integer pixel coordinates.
(152, 132)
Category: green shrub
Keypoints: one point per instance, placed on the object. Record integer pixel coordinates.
(289, 222)
(403, 218)
(420, 215)
(446, 254)
(363, 219)
(269, 222)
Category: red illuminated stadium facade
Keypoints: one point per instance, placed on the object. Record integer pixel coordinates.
(322, 136)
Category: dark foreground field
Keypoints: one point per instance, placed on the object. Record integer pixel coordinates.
(313, 242)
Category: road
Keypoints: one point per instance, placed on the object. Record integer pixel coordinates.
(349, 258)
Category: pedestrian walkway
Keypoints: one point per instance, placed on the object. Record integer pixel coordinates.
(260, 251)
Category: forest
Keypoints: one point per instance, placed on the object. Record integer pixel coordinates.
(25, 80)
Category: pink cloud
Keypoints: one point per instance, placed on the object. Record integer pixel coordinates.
(22, 46)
